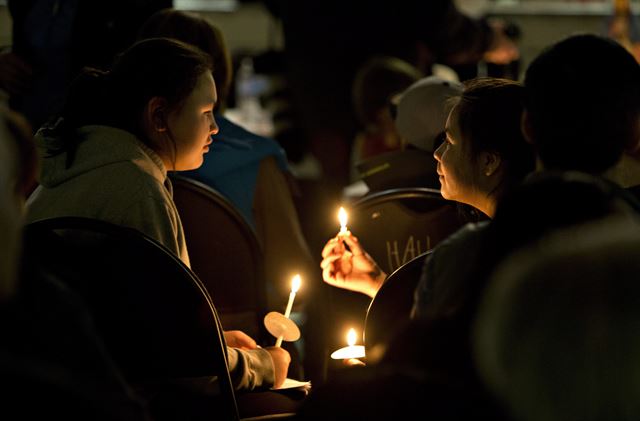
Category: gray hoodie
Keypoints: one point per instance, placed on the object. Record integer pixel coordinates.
(114, 177)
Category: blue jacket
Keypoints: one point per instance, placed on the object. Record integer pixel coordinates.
(231, 166)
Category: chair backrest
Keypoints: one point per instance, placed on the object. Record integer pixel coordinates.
(389, 311)
(156, 318)
(397, 225)
(225, 254)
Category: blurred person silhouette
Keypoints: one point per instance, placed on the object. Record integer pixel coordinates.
(52, 362)
(421, 113)
(108, 153)
(53, 39)
(375, 83)
(556, 332)
(252, 172)
(549, 201)
(601, 123)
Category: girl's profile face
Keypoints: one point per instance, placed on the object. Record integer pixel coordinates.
(457, 169)
(192, 125)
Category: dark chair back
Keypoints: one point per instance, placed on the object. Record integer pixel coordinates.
(394, 226)
(156, 318)
(389, 311)
(225, 254)
(397, 225)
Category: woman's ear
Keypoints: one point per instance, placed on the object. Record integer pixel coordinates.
(156, 114)
(491, 162)
(525, 127)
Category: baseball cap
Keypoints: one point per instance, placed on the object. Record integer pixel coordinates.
(422, 110)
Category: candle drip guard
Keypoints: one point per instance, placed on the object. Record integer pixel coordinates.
(280, 326)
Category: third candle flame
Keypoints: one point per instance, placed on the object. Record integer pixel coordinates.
(295, 283)
(342, 217)
(351, 337)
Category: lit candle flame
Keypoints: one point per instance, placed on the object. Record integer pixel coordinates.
(351, 337)
(295, 283)
(342, 217)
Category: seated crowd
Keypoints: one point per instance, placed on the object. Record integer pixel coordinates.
(528, 314)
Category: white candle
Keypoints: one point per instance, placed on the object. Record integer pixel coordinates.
(342, 217)
(295, 286)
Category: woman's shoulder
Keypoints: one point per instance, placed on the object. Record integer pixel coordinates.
(470, 232)
(463, 244)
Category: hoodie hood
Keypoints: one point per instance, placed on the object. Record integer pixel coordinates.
(97, 146)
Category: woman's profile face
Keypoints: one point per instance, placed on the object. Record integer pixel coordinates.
(192, 125)
(457, 169)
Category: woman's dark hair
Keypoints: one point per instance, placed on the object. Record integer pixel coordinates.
(197, 31)
(488, 115)
(158, 67)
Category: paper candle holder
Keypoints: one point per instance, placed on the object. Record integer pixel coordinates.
(280, 326)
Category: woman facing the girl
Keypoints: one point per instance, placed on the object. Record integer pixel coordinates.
(483, 157)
